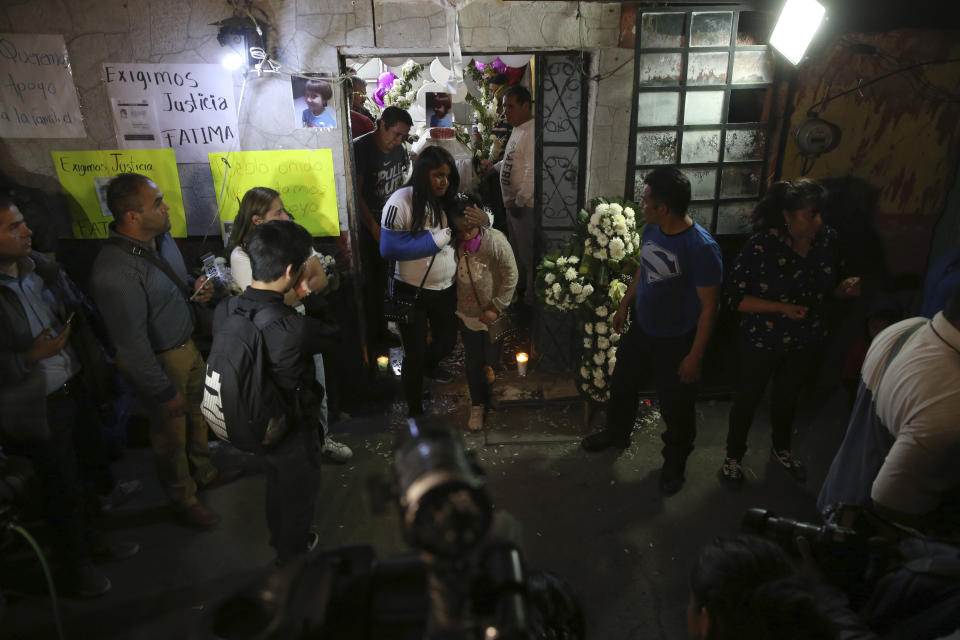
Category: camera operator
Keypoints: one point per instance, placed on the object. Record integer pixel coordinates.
(899, 455)
(747, 588)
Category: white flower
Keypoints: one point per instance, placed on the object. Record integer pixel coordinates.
(576, 288)
(585, 387)
(573, 260)
(602, 209)
(588, 328)
(588, 343)
(629, 247)
(612, 352)
(556, 288)
(603, 241)
(584, 372)
(603, 343)
(602, 311)
(561, 261)
(611, 365)
(598, 357)
(600, 382)
(616, 249)
(619, 220)
(614, 338)
(587, 289)
(616, 209)
(601, 328)
(570, 273)
(630, 213)
(595, 219)
(598, 372)
(620, 228)
(549, 278)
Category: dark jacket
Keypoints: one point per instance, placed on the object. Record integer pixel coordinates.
(291, 342)
(23, 398)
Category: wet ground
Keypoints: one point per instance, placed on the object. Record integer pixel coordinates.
(597, 520)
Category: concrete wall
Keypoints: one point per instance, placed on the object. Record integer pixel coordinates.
(898, 134)
(307, 36)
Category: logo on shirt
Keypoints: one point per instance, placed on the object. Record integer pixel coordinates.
(658, 263)
(390, 220)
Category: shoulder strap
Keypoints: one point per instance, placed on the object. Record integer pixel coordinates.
(425, 274)
(153, 258)
(470, 275)
(898, 345)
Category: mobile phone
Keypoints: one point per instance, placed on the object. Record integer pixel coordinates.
(70, 318)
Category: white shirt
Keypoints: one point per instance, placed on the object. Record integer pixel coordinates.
(397, 215)
(240, 267)
(516, 168)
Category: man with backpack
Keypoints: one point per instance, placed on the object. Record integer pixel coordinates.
(260, 389)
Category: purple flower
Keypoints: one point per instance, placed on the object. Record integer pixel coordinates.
(499, 66)
(384, 83)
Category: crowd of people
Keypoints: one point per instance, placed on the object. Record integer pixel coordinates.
(424, 242)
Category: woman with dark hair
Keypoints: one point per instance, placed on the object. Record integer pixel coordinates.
(260, 205)
(415, 233)
(746, 588)
(780, 283)
(486, 279)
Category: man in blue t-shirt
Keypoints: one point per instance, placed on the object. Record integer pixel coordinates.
(674, 297)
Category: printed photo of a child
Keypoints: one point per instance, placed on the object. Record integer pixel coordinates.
(312, 101)
(438, 109)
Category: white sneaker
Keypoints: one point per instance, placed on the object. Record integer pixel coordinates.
(476, 418)
(336, 451)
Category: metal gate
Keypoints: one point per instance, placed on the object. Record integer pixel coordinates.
(561, 154)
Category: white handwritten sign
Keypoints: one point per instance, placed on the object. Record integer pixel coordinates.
(194, 105)
(37, 95)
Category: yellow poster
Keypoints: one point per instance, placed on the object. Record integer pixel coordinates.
(303, 177)
(85, 175)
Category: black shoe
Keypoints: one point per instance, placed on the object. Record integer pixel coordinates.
(731, 473)
(671, 478)
(793, 466)
(106, 552)
(603, 440)
(441, 375)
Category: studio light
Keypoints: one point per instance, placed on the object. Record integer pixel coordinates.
(795, 28)
(232, 61)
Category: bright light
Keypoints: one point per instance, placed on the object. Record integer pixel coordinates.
(232, 60)
(798, 22)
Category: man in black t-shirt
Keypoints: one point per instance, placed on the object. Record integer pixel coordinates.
(382, 164)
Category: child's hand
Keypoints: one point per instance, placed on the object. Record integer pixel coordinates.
(489, 316)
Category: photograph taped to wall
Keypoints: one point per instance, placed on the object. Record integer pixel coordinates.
(136, 124)
(313, 102)
(439, 109)
(102, 183)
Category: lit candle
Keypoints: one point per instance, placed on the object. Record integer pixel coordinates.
(383, 363)
(522, 359)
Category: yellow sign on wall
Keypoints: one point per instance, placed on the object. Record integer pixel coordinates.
(303, 177)
(84, 176)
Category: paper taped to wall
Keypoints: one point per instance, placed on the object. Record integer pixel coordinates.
(193, 104)
(37, 96)
(303, 177)
(84, 176)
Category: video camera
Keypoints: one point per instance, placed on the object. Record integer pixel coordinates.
(461, 584)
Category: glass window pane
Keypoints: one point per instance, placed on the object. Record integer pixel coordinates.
(749, 105)
(662, 30)
(744, 144)
(752, 67)
(703, 107)
(638, 184)
(753, 28)
(702, 182)
(707, 68)
(711, 29)
(700, 146)
(657, 108)
(656, 147)
(702, 213)
(740, 182)
(734, 217)
(660, 68)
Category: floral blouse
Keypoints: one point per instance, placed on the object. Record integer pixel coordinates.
(768, 268)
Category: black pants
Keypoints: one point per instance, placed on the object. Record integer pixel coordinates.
(374, 284)
(478, 352)
(292, 486)
(438, 310)
(639, 357)
(789, 371)
(69, 505)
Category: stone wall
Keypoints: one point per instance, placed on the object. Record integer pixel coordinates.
(307, 35)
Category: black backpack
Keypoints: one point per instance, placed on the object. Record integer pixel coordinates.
(239, 395)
